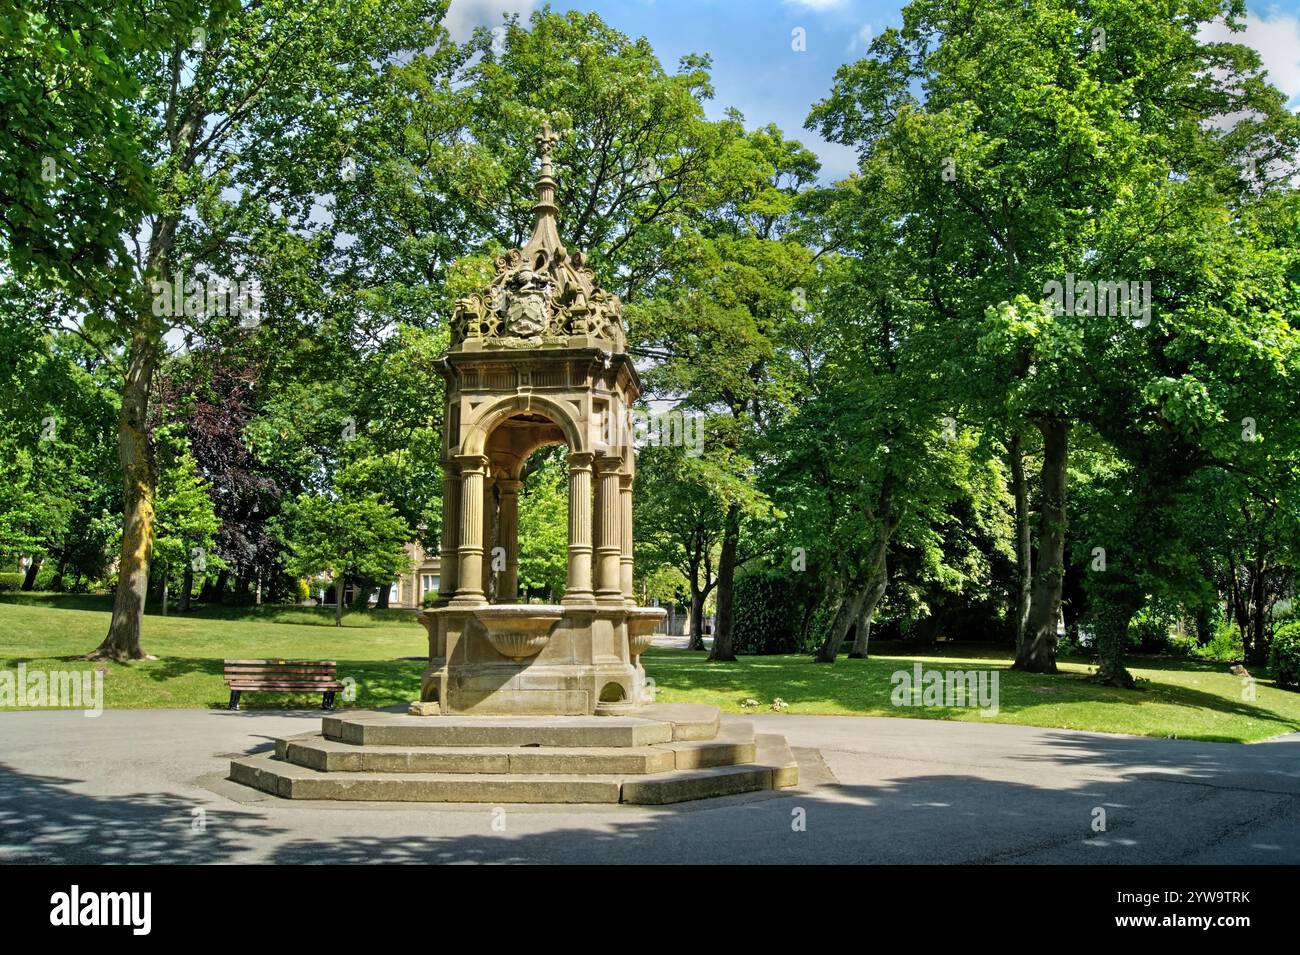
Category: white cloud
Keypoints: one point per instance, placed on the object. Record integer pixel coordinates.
(464, 15)
(862, 39)
(1277, 38)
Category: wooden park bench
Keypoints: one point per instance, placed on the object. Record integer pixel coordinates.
(290, 676)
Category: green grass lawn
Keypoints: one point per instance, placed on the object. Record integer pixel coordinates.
(1176, 698)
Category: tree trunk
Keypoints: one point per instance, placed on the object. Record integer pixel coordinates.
(850, 609)
(815, 598)
(863, 635)
(1024, 547)
(385, 591)
(865, 590)
(1204, 631)
(1038, 652)
(1111, 621)
(187, 586)
(361, 595)
(1258, 611)
(339, 586)
(860, 601)
(1238, 611)
(726, 583)
(219, 588)
(34, 568)
(136, 460)
(697, 618)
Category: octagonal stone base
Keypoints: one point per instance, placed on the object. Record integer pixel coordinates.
(658, 755)
(536, 659)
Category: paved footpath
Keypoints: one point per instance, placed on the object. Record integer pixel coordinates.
(127, 787)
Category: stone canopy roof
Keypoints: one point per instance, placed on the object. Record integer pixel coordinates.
(542, 295)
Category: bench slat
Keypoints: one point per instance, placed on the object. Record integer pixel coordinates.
(285, 663)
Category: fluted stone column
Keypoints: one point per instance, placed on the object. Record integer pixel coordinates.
(609, 537)
(578, 589)
(473, 470)
(625, 555)
(508, 537)
(448, 556)
(489, 531)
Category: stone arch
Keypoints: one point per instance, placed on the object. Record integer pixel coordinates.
(558, 413)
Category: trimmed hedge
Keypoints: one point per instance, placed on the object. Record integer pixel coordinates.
(768, 610)
(1284, 656)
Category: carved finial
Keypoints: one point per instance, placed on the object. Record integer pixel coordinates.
(541, 295)
(545, 140)
(545, 237)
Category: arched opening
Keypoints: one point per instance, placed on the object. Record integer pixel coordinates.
(482, 499)
(613, 693)
(526, 510)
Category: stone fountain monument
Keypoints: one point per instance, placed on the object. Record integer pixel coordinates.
(537, 358)
(527, 702)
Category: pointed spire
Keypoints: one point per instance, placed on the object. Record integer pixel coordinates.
(545, 234)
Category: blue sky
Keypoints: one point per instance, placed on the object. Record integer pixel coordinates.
(756, 70)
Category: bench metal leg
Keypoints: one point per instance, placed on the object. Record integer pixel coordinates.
(328, 702)
(234, 700)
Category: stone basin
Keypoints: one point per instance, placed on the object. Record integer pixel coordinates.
(519, 631)
(641, 624)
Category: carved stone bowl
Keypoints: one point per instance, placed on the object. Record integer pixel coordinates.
(519, 631)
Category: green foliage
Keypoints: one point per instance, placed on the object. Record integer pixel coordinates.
(1284, 657)
(185, 522)
(1149, 632)
(345, 538)
(1225, 646)
(71, 178)
(1284, 612)
(11, 581)
(544, 525)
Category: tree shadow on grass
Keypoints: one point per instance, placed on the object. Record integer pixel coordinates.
(865, 686)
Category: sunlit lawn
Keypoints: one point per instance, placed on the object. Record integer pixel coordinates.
(1179, 698)
(1176, 698)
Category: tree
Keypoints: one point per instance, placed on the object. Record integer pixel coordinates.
(186, 522)
(344, 540)
(679, 505)
(1096, 154)
(723, 331)
(237, 128)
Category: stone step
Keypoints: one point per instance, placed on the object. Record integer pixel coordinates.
(298, 782)
(326, 755)
(772, 767)
(652, 724)
(691, 721)
(775, 768)
(774, 753)
(686, 784)
(735, 744)
(498, 731)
